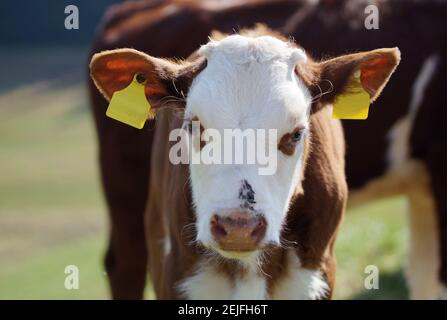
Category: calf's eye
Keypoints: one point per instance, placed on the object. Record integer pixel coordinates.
(296, 136)
(289, 141)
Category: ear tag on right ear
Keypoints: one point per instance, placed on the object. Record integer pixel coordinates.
(353, 105)
(130, 105)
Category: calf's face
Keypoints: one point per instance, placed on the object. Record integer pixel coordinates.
(249, 86)
(245, 91)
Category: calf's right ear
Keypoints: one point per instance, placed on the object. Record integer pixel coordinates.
(114, 70)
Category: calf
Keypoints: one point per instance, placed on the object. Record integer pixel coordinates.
(224, 231)
(414, 147)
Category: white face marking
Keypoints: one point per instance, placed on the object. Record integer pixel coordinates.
(249, 83)
(300, 283)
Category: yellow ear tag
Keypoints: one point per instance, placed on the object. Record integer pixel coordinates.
(130, 105)
(353, 105)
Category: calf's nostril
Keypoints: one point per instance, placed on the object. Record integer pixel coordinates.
(217, 229)
(259, 230)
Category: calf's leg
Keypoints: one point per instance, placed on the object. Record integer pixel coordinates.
(124, 161)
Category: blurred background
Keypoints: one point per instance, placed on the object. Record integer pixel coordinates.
(52, 211)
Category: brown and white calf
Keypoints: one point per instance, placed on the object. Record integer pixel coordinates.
(224, 231)
(124, 152)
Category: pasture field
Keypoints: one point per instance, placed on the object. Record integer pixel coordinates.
(52, 212)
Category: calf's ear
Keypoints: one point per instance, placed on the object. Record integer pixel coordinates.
(339, 76)
(114, 70)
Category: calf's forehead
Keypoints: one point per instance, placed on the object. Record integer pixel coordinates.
(250, 83)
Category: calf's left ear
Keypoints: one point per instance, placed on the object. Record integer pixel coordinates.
(340, 76)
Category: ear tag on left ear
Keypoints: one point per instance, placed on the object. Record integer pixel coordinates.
(353, 105)
(130, 105)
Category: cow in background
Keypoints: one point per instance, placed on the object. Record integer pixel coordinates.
(399, 150)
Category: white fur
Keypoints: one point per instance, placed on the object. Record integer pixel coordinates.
(252, 286)
(248, 83)
(300, 283)
(206, 284)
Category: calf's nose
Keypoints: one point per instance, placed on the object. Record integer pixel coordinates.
(238, 231)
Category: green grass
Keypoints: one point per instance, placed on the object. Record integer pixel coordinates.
(52, 212)
(42, 276)
(372, 235)
(51, 209)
